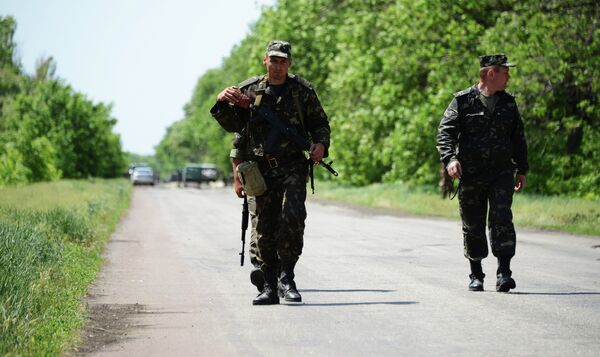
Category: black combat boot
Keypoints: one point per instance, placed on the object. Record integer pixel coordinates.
(476, 283)
(268, 295)
(476, 276)
(257, 278)
(287, 286)
(504, 281)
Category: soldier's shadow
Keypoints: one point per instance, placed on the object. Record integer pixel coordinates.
(556, 293)
(351, 303)
(345, 290)
(354, 303)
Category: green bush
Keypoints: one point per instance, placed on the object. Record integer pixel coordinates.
(12, 169)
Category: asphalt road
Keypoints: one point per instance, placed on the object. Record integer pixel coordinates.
(372, 285)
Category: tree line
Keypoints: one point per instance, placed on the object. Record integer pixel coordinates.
(47, 129)
(385, 71)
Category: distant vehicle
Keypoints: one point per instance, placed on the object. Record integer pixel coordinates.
(134, 165)
(199, 173)
(142, 175)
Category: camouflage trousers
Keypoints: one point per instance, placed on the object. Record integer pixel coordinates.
(253, 246)
(474, 197)
(278, 218)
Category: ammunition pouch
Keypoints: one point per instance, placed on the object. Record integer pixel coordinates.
(251, 178)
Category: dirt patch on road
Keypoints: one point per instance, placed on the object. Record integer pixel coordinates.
(107, 325)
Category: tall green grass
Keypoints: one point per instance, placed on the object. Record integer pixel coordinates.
(566, 214)
(51, 236)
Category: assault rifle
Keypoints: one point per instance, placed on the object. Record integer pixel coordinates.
(292, 135)
(244, 227)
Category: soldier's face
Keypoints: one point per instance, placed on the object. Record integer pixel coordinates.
(501, 78)
(277, 68)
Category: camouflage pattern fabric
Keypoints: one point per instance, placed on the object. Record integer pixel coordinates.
(494, 60)
(282, 205)
(480, 140)
(474, 196)
(490, 147)
(253, 246)
(279, 48)
(278, 215)
(258, 133)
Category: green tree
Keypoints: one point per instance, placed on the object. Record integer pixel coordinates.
(385, 71)
(11, 81)
(48, 130)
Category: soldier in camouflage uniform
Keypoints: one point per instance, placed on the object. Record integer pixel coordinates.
(278, 215)
(481, 142)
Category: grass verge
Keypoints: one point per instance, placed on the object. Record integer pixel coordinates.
(51, 238)
(566, 214)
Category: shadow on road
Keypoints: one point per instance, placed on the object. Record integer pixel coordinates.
(556, 294)
(352, 303)
(357, 303)
(345, 290)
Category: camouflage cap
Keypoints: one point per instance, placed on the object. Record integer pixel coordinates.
(495, 60)
(279, 49)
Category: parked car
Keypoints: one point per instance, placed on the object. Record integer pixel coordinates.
(199, 173)
(134, 165)
(142, 175)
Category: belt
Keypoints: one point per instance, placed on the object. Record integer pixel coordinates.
(275, 161)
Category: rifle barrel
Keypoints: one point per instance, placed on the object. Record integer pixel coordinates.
(329, 167)
(244, 227)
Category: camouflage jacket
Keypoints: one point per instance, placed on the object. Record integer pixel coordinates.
(297, 104)
(483, 141)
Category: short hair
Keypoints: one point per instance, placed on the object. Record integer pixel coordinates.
(483, 71)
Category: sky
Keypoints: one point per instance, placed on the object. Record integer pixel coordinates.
(143, 56)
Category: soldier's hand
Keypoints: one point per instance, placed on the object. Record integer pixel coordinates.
(239, 189)
(234, 96)
(316, 152)
(519, 182)
(454, 169)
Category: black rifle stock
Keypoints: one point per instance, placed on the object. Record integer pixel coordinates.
(245, 214)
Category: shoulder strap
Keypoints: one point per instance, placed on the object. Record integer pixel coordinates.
(301, 81)
(463, 92)
(249, 81)
(296, 97)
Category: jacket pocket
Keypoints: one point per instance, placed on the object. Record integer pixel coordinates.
(475, 123)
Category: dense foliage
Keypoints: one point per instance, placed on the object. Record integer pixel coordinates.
(385, 71)
(47, 129)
